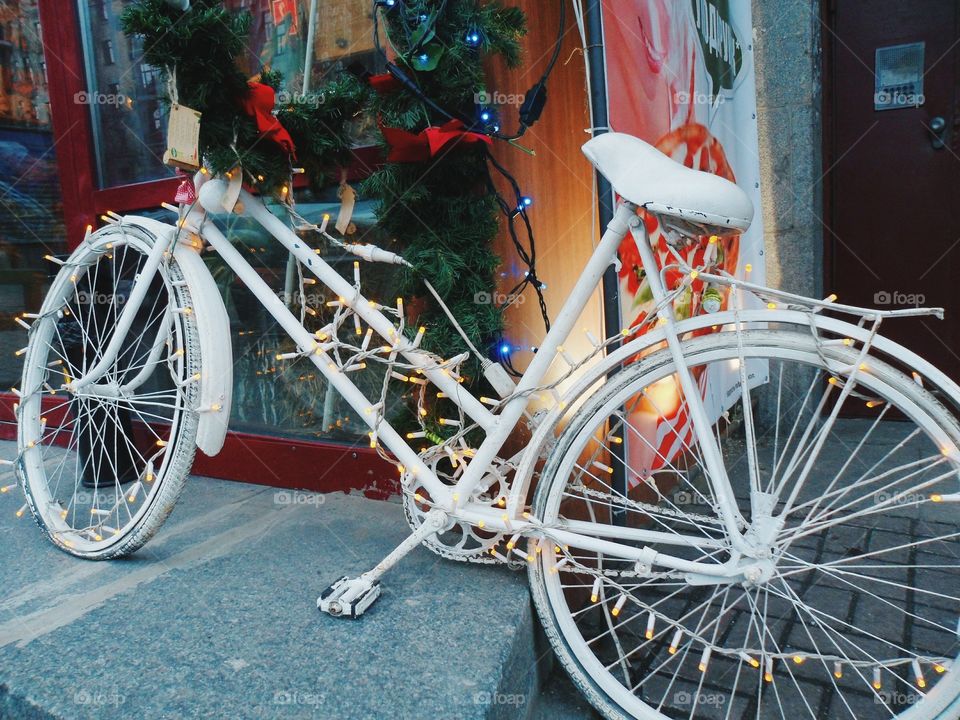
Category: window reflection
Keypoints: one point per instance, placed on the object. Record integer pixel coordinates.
(291, 397)
(127, 117)
(124, 93)
(129, 121)
(31, 214)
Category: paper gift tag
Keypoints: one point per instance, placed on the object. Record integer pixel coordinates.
(183, 138)
(348, 199)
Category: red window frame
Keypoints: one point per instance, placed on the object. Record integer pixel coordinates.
(246, 457)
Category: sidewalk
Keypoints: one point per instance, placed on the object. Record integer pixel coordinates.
(216, 618)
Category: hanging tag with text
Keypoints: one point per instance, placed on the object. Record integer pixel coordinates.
(183, 138)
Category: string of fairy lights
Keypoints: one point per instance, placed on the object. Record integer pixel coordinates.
(353, 347)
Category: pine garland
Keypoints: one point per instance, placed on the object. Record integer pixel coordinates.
(441, 210)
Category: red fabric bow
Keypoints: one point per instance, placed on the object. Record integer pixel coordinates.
(186, 192)
(259, 104)
(406, 147)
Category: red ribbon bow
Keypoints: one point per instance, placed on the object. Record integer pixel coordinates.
(406, 147)
(259, 104)
(186, 192)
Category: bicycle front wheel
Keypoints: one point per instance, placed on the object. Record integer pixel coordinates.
(102, 467)
(850, 602)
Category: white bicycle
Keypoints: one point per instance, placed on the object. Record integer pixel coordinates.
(766, 560)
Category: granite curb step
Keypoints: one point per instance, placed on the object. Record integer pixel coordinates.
(216, 617)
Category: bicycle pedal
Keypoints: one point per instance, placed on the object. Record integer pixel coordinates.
(348, 598)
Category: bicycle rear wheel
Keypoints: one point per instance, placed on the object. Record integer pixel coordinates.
(856, 614)
(102, 467)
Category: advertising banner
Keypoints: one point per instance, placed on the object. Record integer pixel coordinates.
(680, 76)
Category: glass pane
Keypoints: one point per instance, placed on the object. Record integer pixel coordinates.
(124, 93)
(278, 37)
(291, 397)
(270, 397)
(31, 213)
(128, 120)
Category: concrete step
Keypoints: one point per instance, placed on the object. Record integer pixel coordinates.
(216, 617)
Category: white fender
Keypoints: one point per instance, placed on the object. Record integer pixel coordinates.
(213, 326)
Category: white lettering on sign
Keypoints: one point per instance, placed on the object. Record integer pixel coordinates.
(716, 32)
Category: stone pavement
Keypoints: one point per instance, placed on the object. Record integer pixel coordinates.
(216, 618)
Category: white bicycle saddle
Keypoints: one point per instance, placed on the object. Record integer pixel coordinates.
(646, 177)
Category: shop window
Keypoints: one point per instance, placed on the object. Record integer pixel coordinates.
(31, 211)
(128, 121)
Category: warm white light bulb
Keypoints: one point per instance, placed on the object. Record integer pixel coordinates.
(675, 643)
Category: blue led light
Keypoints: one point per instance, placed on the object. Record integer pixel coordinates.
(473, 38)
(485, 116)
(505, 349)
(424, 58)
(526, 201)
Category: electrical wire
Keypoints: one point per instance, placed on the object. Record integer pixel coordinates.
(529, 258)
(530, 113)
(536, 95)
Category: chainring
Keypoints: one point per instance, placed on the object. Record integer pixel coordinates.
(462, 541)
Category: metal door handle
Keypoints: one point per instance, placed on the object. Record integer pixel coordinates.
(938, 126)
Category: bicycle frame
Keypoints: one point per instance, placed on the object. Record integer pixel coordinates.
(497, 427)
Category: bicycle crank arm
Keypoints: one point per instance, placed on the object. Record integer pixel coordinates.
(350, 598)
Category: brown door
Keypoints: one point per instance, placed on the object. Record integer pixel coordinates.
(893, 175)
